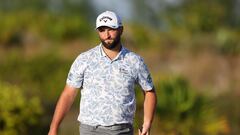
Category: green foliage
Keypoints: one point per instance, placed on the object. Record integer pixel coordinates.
(203, 15)
(14, 26)
(17, 112)
(66, 27)
(199, 18)
(58, 20)
(197, 24)
(227, 42)
(176, 97)
(227, 104)
(143, 37)
(41, 74)
(182, 111)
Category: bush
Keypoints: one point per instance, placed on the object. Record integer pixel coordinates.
(17, 112)
(43, 74)
(42, 25)
(227, 42)
(182, 111)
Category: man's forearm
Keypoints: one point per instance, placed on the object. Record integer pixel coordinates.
(63, 105)
(149, 107)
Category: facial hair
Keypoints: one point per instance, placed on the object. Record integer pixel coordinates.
(111, 46)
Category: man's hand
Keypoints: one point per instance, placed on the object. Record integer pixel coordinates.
(144, 131)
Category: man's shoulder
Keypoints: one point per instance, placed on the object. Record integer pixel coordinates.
(132, 55)
(89, 53)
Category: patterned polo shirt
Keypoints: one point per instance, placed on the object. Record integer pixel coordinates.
(107, 95)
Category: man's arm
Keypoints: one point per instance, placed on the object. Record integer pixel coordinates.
(150, 102)
(63, 105)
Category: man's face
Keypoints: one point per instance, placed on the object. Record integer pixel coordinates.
(109, 37)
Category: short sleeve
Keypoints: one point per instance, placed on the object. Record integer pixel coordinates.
(76, 73)
(144, 78)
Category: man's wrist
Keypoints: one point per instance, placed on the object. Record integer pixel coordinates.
(53, 130)
(146, 125)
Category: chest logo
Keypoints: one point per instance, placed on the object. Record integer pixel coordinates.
(124, 71)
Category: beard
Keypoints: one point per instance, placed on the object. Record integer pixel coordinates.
(112, 45)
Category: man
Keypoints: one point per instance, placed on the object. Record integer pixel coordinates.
(107, 75)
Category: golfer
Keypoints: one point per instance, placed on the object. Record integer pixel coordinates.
(106, 75)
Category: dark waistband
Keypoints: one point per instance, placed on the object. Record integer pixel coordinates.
(111, 127)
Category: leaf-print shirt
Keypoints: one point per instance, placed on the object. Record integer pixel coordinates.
(107, 95)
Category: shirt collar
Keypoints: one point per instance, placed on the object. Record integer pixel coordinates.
(120, 55)
(102, 53)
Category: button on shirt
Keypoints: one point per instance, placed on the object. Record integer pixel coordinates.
(107, 95)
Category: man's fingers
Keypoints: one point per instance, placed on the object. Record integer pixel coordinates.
(139, 132)
(143, 132)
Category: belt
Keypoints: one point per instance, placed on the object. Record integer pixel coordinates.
(112, 127)
(116, 126)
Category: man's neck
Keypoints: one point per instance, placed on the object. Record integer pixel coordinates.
(112, 53)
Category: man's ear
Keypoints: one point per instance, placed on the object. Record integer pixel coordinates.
(120, 30)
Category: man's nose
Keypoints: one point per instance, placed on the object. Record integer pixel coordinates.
(106, 34)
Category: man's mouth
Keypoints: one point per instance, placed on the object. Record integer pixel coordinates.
(109, 41)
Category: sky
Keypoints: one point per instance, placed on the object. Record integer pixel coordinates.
(122, 7)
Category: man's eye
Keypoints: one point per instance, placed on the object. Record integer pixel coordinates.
(100, 30)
